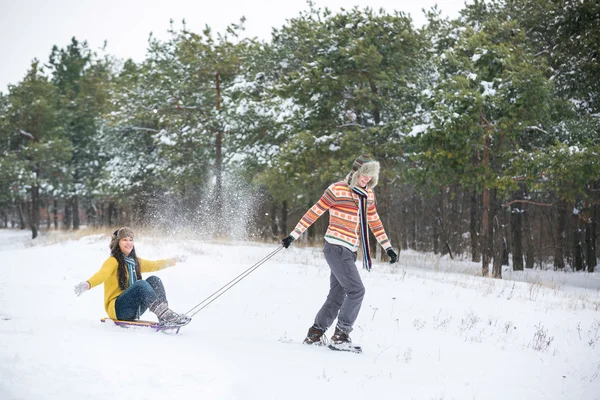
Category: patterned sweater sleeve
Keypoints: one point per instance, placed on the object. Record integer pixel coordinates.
(377, 226)
(325, 203)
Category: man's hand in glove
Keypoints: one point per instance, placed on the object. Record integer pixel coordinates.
(287, 241)
(393, 256)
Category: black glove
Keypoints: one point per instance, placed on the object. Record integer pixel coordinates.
(393, 256)
(287, 241)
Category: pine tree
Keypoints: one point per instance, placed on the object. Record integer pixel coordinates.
(80, 78)
(35, 155)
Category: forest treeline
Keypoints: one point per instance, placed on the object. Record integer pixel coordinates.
(487, 128)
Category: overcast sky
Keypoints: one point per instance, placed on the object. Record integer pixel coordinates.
(29, 28)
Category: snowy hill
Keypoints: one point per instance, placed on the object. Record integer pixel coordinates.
(430, 329)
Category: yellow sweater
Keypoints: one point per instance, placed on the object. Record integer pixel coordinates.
(108, 275)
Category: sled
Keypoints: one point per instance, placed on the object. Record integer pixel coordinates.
(144, 324)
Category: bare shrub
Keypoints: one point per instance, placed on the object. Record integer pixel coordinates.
(594, 333)
(441, 321)
(468, 322)
(541, 341)
(285, 338)
(419, 324)
(408, 355)
(596, 374)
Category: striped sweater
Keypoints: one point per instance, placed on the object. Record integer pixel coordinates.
(344, 219)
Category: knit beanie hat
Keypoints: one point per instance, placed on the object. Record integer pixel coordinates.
(364, 165)
(118, 235)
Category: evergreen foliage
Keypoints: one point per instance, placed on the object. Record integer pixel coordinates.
(486, 126)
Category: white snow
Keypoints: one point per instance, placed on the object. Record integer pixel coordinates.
(488, 88)
(477, 56)
(418, 129)
(430, 328)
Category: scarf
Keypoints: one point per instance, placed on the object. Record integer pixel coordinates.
(364, 232)
(130, 261)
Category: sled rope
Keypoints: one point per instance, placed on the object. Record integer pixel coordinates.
(204, 303)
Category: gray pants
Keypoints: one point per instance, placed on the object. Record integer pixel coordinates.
(346, 290)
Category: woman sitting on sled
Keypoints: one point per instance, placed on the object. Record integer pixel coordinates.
(126, 295)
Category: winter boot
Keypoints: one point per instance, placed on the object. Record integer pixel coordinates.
(166, 316)
(315, 336)
(340, 337)
(341, 341)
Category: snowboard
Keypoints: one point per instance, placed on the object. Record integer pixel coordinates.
(144, 324)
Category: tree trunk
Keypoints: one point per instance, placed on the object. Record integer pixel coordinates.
(34, 218)
(444, 247)
(436, 232)
(590, 230)
(22, 223)
(75, 205)
(123, 216)
(406, 226)
(592, 256)
(55, 213)
(486, 224)
(67, 215)
(101, 214)
(516, 224)
(498, 249)
(496, 240)
(505, 247)
(474, 227)
(414, 227)
(112, 214)
(590, 248)
(490, 228)
(529, 242)
(559, 237)
(576, 243)
(92, 213)
(485, 233)
(284, 214)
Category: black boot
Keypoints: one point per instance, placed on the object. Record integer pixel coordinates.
(315, 336)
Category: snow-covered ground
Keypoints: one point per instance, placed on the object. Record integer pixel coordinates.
(430, 328)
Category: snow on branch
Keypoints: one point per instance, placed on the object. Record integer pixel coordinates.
(26, 134)
(352, 124)
(138, 128)
(535, 128)
(528, 202)
(178, 108)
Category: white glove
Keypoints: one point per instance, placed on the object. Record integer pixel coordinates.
(180, 258)
(81, 287)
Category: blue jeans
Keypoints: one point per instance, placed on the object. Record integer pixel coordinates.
(136, 299)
